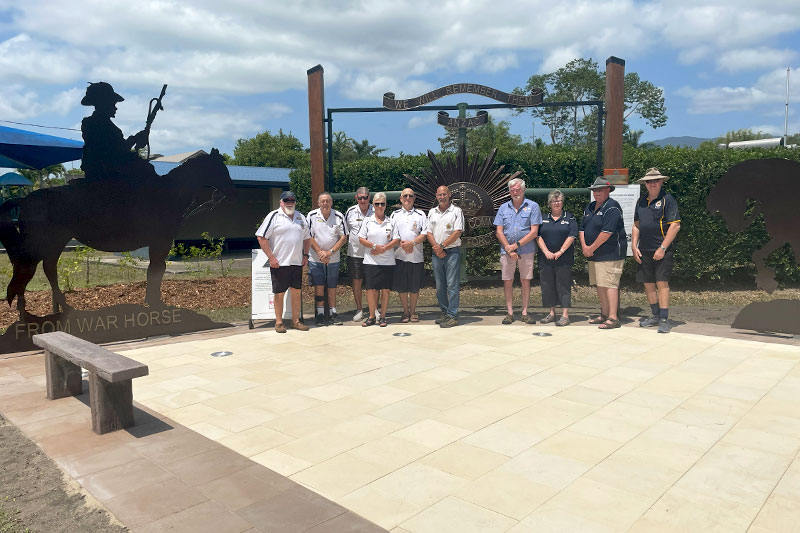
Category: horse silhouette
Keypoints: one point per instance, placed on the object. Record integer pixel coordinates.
(773, 186)
(108, 214)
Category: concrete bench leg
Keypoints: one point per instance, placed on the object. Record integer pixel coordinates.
(111, 403)
(63, 377)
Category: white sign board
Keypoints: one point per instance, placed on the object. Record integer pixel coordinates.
(627, 196)
(262, 303)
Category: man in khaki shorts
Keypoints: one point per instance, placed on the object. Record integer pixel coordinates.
(604, 243)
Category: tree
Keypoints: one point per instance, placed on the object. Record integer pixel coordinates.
(348, 149)
(267, 150)
(579, 80)
(45, 177)
(483, 138)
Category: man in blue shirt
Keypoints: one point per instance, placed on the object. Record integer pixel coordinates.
(517, 222)
(605, 244)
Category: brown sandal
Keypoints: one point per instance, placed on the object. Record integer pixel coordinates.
(610, 324)
(414, 317)
(598, 319)
(406, 319)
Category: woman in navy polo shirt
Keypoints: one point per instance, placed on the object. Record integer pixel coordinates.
(556, 256)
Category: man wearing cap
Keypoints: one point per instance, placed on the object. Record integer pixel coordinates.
(106, 153)
(655, 226)
(284, 236)
(411, 225)
(353, 218)
(326, 227)
(445, 226)
(517, 226)
(604, 243)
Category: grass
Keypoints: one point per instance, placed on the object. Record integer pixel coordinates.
(9, 524)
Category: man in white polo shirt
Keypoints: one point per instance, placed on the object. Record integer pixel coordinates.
(284, 237)
(411, 225)
(445, 225)
(327, 237)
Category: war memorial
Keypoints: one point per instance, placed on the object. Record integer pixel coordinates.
(162, 418)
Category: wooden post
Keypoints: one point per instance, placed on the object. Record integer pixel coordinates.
(63, 377)
(615, 97)
(111, 404)
(316, 130)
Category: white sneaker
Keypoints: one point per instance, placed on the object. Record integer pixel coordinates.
(359, 316)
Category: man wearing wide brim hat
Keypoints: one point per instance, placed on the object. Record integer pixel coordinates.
(106, 152)
(656, 224)
(605, 244)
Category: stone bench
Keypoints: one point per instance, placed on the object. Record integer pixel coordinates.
(110, 375)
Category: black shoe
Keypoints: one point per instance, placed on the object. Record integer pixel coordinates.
(320, 320)
(441, 319)
(335, 320)
(649, 322)
(664, 326)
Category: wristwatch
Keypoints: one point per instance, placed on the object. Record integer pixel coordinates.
(374, 246)
(662, 247)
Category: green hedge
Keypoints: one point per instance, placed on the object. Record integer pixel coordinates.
(706, 251)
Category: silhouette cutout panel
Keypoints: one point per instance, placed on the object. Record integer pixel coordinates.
(747, 182)
(121, 205)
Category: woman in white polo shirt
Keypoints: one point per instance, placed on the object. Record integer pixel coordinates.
(379, 237)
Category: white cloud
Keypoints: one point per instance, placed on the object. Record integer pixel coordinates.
(754, 59)
(24, 58)
(766, 94)
(18, 103)
(421, 119)
(364, 87)
(188, 121)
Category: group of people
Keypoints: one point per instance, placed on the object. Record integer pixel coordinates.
(385, 252)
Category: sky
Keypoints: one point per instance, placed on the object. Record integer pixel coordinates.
(238, 68)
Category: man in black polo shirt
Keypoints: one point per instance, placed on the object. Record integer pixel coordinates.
(656, 224)
(604, 243)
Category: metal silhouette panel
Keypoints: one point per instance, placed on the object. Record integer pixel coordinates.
(740, 196)
(121, 205)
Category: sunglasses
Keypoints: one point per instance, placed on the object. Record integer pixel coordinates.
(408, 196)
(379, 203)
(362, 197)
(288, 201)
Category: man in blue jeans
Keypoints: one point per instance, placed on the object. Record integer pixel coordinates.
(445, 226)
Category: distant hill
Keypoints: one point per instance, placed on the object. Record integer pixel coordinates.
(688, 142)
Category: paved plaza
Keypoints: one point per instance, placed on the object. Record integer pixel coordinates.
(483, 428)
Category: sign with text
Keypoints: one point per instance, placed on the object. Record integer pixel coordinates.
(262, 302)
(627, 196)
(520, 100)
(481, 118)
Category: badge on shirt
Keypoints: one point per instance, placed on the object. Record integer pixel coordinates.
(525, 208)
(448, 226)
(599, 213)
(414, 227)
(658, 204)
(565, 222)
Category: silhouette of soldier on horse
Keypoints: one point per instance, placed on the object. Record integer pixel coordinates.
(121, 205)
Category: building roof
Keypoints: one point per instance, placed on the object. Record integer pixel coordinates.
(252, 176)
(180, 158)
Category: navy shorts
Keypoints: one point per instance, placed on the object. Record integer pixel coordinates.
(651, 271)
(318, 272)
(355, 267)
(285, 277)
